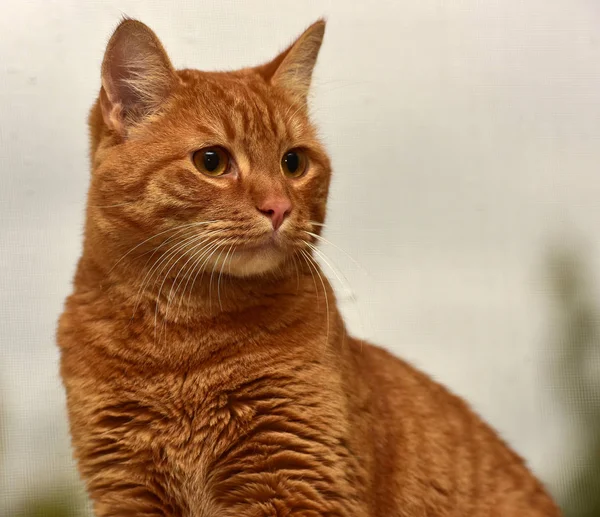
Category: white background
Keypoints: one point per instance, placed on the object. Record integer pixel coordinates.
(465, 140)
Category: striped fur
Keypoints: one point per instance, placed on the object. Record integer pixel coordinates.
(208, 371)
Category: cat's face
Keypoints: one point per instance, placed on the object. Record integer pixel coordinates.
(223, 168)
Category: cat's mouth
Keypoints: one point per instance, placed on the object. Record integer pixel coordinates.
(266, 247)
(271, 242)
(258, 256)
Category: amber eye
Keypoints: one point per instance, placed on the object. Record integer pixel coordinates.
(294, 163)
(212, 161)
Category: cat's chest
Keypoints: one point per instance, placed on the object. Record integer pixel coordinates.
(214, 428)
(223, 385)
(220, 418)
(195, 415)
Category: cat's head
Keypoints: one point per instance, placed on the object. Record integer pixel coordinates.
(215, 168)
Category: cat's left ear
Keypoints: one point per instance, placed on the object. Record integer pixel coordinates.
(293, 68)
(137, 76)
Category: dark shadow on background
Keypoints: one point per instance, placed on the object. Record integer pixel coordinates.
(576, 345)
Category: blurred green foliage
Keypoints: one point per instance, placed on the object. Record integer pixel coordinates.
(577, 356)
(52, 503)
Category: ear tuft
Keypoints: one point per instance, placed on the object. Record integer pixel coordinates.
(137, 76)
(293, 68)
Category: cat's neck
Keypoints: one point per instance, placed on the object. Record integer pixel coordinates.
(192, 297)
(214, 320)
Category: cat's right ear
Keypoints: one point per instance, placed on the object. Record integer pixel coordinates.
(292, 69)
(137, 76)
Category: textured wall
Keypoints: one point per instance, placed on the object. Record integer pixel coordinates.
(464, 137)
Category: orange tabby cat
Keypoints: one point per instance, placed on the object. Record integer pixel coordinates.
(208, 371)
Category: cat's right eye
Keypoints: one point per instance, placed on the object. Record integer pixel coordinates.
(211, 161)
(294, 163)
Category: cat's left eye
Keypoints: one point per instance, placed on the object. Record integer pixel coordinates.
(294, 163)
(212, 161)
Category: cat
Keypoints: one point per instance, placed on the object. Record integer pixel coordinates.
(207, 369)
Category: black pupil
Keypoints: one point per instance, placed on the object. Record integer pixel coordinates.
(211, 160)
(292, 161)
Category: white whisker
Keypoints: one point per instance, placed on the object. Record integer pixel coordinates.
(181, 254)
(345, 284)
(356, 263)
(161, 233)
(342, 280)
(166, 257)
(221, 274)
(311, 261)
(193, 253)
(313, 277)
(297, 273)
(204, 256)
(212, 273)
(196, 256)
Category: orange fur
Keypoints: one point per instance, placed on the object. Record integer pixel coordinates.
(208, 371)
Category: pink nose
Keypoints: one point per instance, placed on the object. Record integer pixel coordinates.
(276, 209)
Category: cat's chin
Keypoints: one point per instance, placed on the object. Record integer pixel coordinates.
(255, 261)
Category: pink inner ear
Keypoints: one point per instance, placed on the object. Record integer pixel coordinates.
(268, 69)
(120, 70)
(111, 112)
(137, 75)
(292, 69)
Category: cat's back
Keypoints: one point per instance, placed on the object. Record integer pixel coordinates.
(435, 456)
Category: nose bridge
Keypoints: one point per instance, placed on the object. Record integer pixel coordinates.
(265, 185)
(270, 197)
